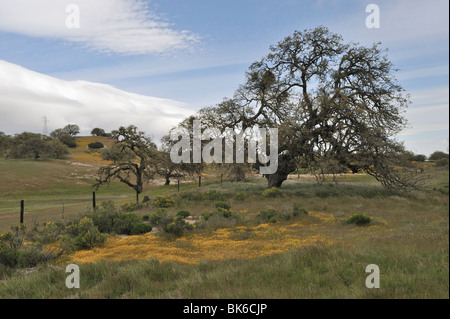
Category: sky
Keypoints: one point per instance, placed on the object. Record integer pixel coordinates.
(152, 62)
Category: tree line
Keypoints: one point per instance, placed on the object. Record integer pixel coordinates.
(34, 145)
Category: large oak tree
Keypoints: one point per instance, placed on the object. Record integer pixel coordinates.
(328, 99)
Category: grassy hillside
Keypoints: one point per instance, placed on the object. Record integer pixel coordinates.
(51, 188)
(316, 255)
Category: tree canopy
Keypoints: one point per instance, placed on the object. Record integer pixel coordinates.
(133, 156)
(329, 100)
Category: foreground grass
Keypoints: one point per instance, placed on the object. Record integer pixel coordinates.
(310, 272)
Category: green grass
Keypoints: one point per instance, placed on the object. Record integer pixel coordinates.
(314, 272)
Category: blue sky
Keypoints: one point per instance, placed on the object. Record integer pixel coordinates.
(196, 52)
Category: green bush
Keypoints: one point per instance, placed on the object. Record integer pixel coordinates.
(271, 192)
(110, 220)
(222, 212)
(298, 211)
(267, 215)
(241, 196)
(51, 232)
(206, 215)
(223, 205)
(130, 207)
(158, 217)
(24, 257)
(183, 213)
(125, 223)
(83, 235)
(177, 228)
(359, 219)
(141, 228)
(96, 145)
(68, 140)
(163, 202)
(443, 162)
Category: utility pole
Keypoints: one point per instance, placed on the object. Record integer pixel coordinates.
(45, 129)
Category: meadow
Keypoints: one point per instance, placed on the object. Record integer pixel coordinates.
(307, 251)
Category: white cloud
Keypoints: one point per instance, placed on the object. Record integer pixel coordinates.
(120, 26)
(431, 96)
(26, 96)
(423, 73)
(429, 111)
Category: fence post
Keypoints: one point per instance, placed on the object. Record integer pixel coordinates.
(22, 209)
(200, 181)
(94, 205)
(178, 185)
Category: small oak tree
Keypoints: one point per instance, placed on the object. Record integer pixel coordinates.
(133, 157)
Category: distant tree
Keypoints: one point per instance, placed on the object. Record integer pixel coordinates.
(30, 145)
(98, 132)
(133, 156)
(442, 162)
(66, 135)
(72, 129)
(437, 155)
(167, 169)
(5, 143)
(56, 133)
(68, 140)
(60, 149)
(419, 158)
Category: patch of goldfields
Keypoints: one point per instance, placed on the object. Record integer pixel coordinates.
(242, 242)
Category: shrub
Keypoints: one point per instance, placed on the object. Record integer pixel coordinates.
(359, 219)
(24, 257)
(51, 232)
(146, 199)
(141, 228)
(68, 140)
(96, 145)
(125, 223)
(183, 213)
(83, 235)
(241, 196)
(206, 215)
(443, 162)
(223, 205)
(130, 207)
(271, 192)
(160, 218)
(220, 212)
(298, 211)
(267, 215)
(177, 228)
(163, 202)
(110, 220)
